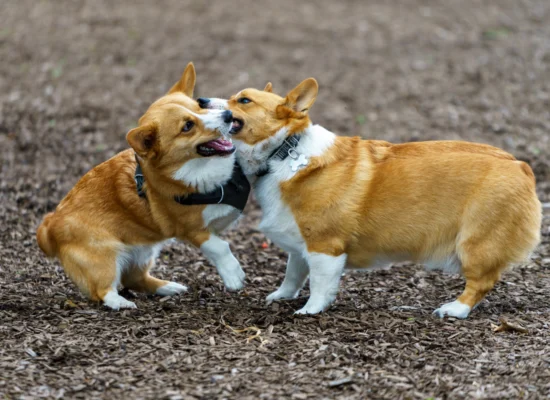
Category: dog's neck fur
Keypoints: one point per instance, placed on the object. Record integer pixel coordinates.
(253, 158)
(199, 175)
(206, 174)
(314, 141)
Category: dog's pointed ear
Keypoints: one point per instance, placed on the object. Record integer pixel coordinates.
(143, 140)
(186, 84)
(302, 97)
(268, 87)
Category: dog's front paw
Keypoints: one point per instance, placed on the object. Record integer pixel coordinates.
(115, 301)
(233, 278)
(315, 306)
(171, 289)
(280, 294)
(453, 309)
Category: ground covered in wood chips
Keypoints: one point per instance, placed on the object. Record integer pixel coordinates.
(76, 75)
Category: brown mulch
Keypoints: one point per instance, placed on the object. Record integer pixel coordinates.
(76, 75)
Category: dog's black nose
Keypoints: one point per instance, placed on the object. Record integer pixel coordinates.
(203, 102)
(227, 116)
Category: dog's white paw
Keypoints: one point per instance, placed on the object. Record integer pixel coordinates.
(171, 289)
(115, 301)
(453, 309)
(315, 306)
(280, 294)
(233, 278)
(218, 253)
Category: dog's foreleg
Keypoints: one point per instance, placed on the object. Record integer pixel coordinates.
(324, 278)
(295, 278)
(218, 253)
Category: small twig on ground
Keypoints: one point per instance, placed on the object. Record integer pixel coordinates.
(256, 335)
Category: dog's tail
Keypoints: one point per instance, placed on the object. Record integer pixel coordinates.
(45, 239)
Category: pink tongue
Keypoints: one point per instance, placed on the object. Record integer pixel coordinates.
(220, 144)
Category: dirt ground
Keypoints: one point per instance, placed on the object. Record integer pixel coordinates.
(76, 75)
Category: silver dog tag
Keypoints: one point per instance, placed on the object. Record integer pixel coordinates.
(298, 163)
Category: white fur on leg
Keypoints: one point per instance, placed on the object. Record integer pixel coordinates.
(171, 289)
(324, 277)
(218, 253)
(115, 301)
(295, 278)
(453, 309)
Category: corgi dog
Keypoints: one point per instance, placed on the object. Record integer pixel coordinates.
(179, 180)
(333, 201)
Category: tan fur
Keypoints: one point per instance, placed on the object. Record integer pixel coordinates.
(103, 212)
(269, 112)
(268, 87)
(424, 201)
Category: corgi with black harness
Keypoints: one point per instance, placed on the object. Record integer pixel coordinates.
(179, 180)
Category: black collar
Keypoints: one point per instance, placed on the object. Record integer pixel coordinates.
(140, 180)
(281, 152)
(234, 193)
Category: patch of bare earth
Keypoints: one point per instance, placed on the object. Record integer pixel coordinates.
(76, 75)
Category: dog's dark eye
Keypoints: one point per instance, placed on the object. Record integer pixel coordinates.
(188, 125)
(244, 100)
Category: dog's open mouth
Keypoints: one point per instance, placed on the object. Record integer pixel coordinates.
(236, 126)
(218, 147)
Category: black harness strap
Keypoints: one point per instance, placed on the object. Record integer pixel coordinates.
(281, 152)
(234, 193)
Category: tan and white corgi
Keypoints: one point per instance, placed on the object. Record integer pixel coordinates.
(111, 226)
(333, 201)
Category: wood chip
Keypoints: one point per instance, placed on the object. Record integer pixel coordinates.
(340, 382)
(507, 326)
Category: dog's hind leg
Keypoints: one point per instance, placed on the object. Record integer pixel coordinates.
(482, 265)
(96, 272)
(500, 228)
(137, 278)
(477, 286)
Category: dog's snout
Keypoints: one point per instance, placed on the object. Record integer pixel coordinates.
(227, 116)
(203, 102)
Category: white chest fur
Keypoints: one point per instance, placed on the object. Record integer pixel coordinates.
(278, 222)
(206, 173)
